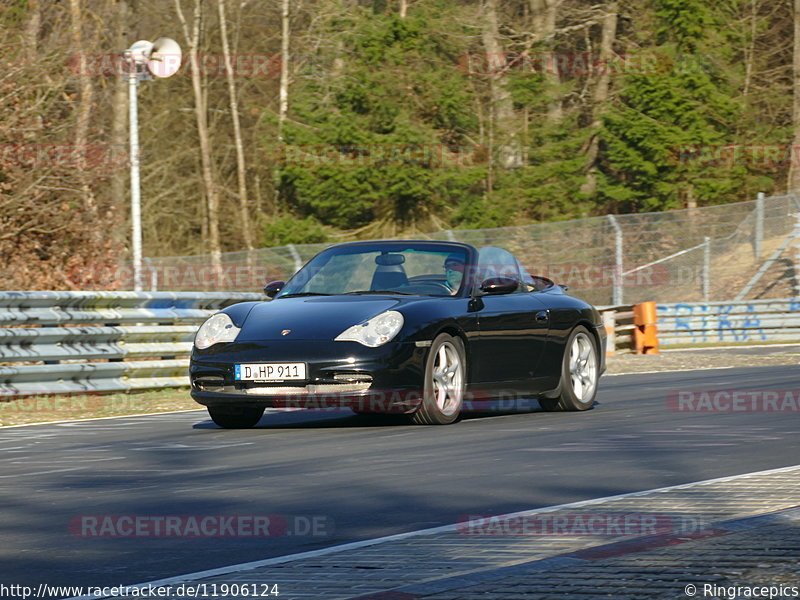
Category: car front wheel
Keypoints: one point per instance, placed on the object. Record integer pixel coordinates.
(236, 417)
(445, 378)
(579, 373)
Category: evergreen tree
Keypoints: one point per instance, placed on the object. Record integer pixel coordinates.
(666, 138)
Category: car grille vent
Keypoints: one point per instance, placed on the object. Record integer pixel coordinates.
(209, 383)
(353, 377)
(319, 388)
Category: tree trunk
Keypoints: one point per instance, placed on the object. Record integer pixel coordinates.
(505, 130)
(600, 98)
(212, 197)
(33, 26)
(403, 8)
(750, 51)
(545, 14)
(793, 185)
(284, 85)
(241, 171)
(84, 104)
(119, 115)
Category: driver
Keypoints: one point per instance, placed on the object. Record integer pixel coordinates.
(454, 272)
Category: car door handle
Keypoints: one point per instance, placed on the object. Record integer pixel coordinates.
(543, 316)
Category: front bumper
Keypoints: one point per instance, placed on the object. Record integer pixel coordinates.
(339, 374)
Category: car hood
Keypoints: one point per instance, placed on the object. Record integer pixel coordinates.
(310, 318)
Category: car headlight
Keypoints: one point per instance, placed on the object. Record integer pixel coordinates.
(375, 332)
(218, 328)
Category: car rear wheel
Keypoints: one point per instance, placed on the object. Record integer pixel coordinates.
(445, 378)
(579, 374)
(236, 417)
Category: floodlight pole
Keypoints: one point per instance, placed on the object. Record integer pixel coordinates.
(136, 200)
(140, 58)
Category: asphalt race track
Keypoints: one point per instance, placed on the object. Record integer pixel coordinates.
(356, 477)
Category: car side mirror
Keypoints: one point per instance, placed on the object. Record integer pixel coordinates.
(499, 285)
(273, 287)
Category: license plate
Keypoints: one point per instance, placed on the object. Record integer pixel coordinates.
(270, 372)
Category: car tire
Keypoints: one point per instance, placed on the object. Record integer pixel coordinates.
(444, 383)
(236, 417)
(580, 371)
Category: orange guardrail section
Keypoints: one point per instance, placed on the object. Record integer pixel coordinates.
(645, 333)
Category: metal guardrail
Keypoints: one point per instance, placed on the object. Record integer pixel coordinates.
(83, 342)
(618, 321)
(100, 341)
(729, 322)
(685, 324)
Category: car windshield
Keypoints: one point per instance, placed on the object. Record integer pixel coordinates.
(424, 269)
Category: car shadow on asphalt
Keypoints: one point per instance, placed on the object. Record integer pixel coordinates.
(343, 418)
(318, 419)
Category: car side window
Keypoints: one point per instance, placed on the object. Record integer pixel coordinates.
(496, 262)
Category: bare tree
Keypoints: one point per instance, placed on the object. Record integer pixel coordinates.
(600, 97)
(85, 105)
(119, 108)
(241, 169)
(284, 90)
(212, 196)
(793, 184)
(503, 130)
(32, 28)
(545, 15)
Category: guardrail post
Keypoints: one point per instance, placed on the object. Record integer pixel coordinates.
(645, 332)
(610, 324)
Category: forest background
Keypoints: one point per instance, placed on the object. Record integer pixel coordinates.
(328, 120)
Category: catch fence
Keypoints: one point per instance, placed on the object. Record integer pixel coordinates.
(738, 251)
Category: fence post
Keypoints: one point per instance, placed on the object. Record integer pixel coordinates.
(298, 263)
(706, 268)
(758, 232)
(796, 280)
(618, 292)
(153, 275)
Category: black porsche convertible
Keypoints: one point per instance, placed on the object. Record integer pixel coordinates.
(413, 327)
